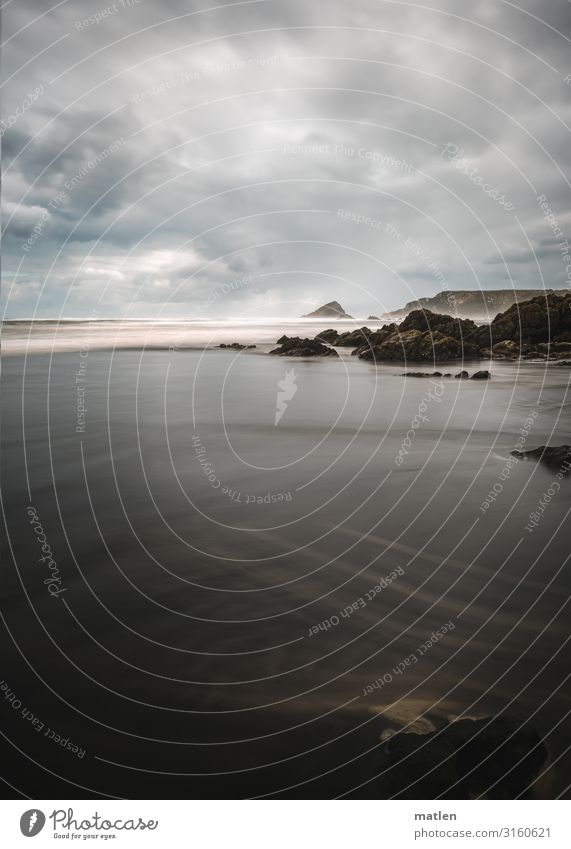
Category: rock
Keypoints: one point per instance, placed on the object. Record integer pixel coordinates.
(554, 457)
(506, 350)
(373, 318)
(492, 758)
(236, 346)
(546, 318)
(539, 328)
(461, 329)
(423, 336)
(331, 310)
(425, 374)
(533, 355)
(349, 339)
(462, 375)
(297, 347)
(354, 338)
(325, 336)
(481, 375)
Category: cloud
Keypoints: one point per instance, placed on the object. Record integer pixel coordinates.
(177, 147)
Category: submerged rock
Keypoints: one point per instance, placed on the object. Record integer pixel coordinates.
(554, 457)
(462, 375)
(425, 374)
(481, 375)
(236, 346)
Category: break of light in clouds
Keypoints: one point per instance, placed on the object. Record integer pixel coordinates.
(154, 152)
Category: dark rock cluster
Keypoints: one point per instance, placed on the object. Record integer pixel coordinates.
(492, 758)
(462, 375)
(294, 346)
(536, 329)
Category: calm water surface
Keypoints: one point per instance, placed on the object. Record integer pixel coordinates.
(199, 544)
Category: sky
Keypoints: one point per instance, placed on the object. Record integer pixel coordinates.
(259, 158)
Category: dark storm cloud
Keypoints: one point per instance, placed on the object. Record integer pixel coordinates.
(168, 149)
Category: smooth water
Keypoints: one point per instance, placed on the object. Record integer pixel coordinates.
(200, 544)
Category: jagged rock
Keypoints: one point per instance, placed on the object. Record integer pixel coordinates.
(481, 375)
(296, 347)
(354, 338)
(492, 758)
(546, 318)
(330, 336)
(461, 329)
(554, 457)
(373, 318)
(414, 345)
(349, 339)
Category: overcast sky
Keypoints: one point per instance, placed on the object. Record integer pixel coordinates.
(155, 152)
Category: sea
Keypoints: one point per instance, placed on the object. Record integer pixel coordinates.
(235, 574)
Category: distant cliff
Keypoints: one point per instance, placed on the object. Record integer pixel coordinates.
(331, 310)
(471, 304)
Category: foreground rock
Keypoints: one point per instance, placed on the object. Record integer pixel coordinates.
(535, 327)
(331, 310)
(557, 458)
(489, 758)
(348, 339)
(294, 346)
(423, 336)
